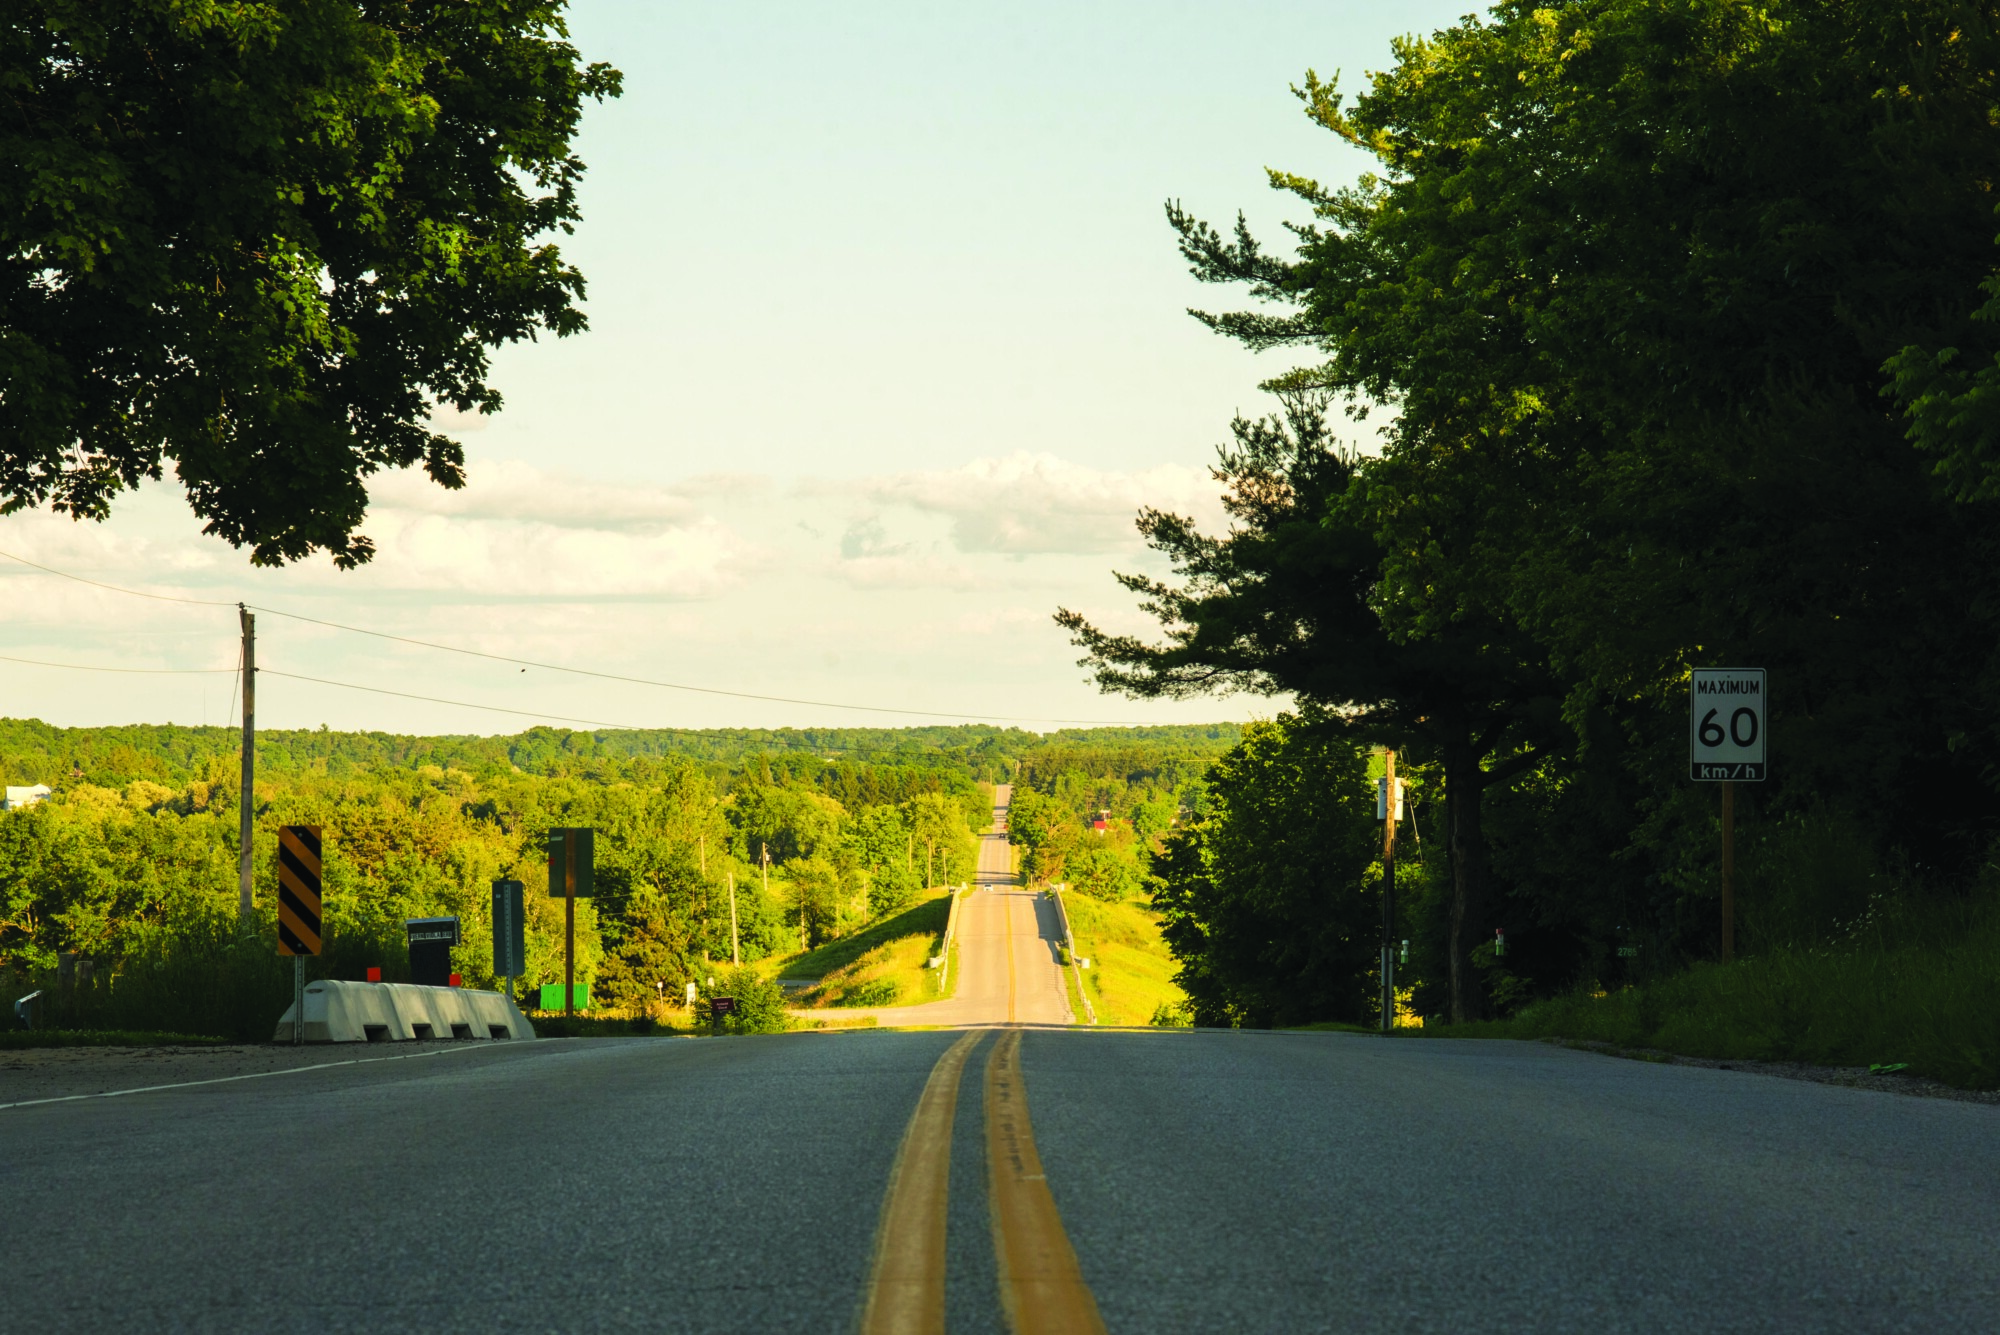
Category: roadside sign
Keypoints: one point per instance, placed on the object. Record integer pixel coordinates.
(721, 1006)
(510, 933)
(1726, 717)
(571, 873)
(432, 929)
(431, 940)
(298, 890)
(552, 997)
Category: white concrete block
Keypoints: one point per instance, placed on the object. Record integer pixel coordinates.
(339, 1012)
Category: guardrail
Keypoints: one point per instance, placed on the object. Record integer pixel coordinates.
(943, 961)
(1069, 944)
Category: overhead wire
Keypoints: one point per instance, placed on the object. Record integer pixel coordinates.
(558, 667)
(462, 704)
(91, 667)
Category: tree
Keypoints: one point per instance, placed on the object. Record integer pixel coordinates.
(1289, 601)
(1630, 277)
(790, 822)
(264, 241)
(1272, 902)
(1646, 285)
(939, 825)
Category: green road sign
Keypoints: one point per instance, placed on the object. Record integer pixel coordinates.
(552, 996)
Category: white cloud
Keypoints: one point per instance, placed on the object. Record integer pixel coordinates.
(510, 490)
(1027, 504)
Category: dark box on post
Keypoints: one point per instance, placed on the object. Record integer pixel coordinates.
(431, 940)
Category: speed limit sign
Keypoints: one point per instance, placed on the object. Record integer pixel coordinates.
(1726, 721)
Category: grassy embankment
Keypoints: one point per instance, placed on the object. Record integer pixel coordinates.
(1923, 991)
(880, 965)
(1131, 975)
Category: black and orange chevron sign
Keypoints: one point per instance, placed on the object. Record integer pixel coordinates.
(298, 890)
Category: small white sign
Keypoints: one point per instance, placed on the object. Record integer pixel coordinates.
(1726, 715)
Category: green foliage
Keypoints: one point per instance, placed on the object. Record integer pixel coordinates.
(788, 823)
(1689, 319)
(139, 879)
(1272, 901)
(760, 1003)
(261, 241)
(1103, 872)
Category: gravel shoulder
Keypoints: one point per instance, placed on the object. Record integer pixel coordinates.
(52, 1073)
(1850, 1077)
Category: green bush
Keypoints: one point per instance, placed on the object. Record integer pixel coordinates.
(760, 1003)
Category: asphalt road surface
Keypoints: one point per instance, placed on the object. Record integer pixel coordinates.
(1078, 1179)
(1008, 969)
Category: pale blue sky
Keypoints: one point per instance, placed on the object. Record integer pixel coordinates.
(886, 345)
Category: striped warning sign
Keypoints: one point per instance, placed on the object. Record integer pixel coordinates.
(298, 890)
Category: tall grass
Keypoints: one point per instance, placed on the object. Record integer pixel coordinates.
(1919, 985)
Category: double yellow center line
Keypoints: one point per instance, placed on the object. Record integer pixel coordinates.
(1041, 1289)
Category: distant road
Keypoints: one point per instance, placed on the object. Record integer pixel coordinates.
(1158, 1182)
(1007, 967)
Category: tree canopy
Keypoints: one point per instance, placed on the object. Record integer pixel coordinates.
(263, 242)
(1683, 316)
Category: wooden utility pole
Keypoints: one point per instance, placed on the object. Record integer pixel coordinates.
(1388, 891)
(735, 947)
(704, 855)
(247, 802)
(1728, 870)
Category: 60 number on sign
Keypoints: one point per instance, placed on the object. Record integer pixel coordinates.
(1726, 717)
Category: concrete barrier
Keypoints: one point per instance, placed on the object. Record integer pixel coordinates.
(391, 1012)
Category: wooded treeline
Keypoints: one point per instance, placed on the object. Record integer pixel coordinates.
(131, 863)
(1677, 322)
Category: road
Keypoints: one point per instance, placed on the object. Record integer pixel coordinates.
(1008, 969)
(1169, 1181)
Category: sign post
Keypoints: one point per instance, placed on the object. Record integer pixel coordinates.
(1388, 798)
(1726, 717)
(572, 851)
(510, 943)
(299, 909)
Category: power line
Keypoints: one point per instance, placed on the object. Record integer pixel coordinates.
(99, 584)
(462, 704)
(581, 672)
(88, 667)
(670, 685)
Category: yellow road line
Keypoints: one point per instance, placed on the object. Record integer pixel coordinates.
(906, 1283)
(1041, 1288)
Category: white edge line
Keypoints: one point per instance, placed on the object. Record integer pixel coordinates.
(254, 1075)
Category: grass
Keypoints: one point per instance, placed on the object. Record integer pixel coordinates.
(1131, 975)
(102, 1038)
(883, 964)
(1930, 999)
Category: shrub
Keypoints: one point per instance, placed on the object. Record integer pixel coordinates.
(760, 1003)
